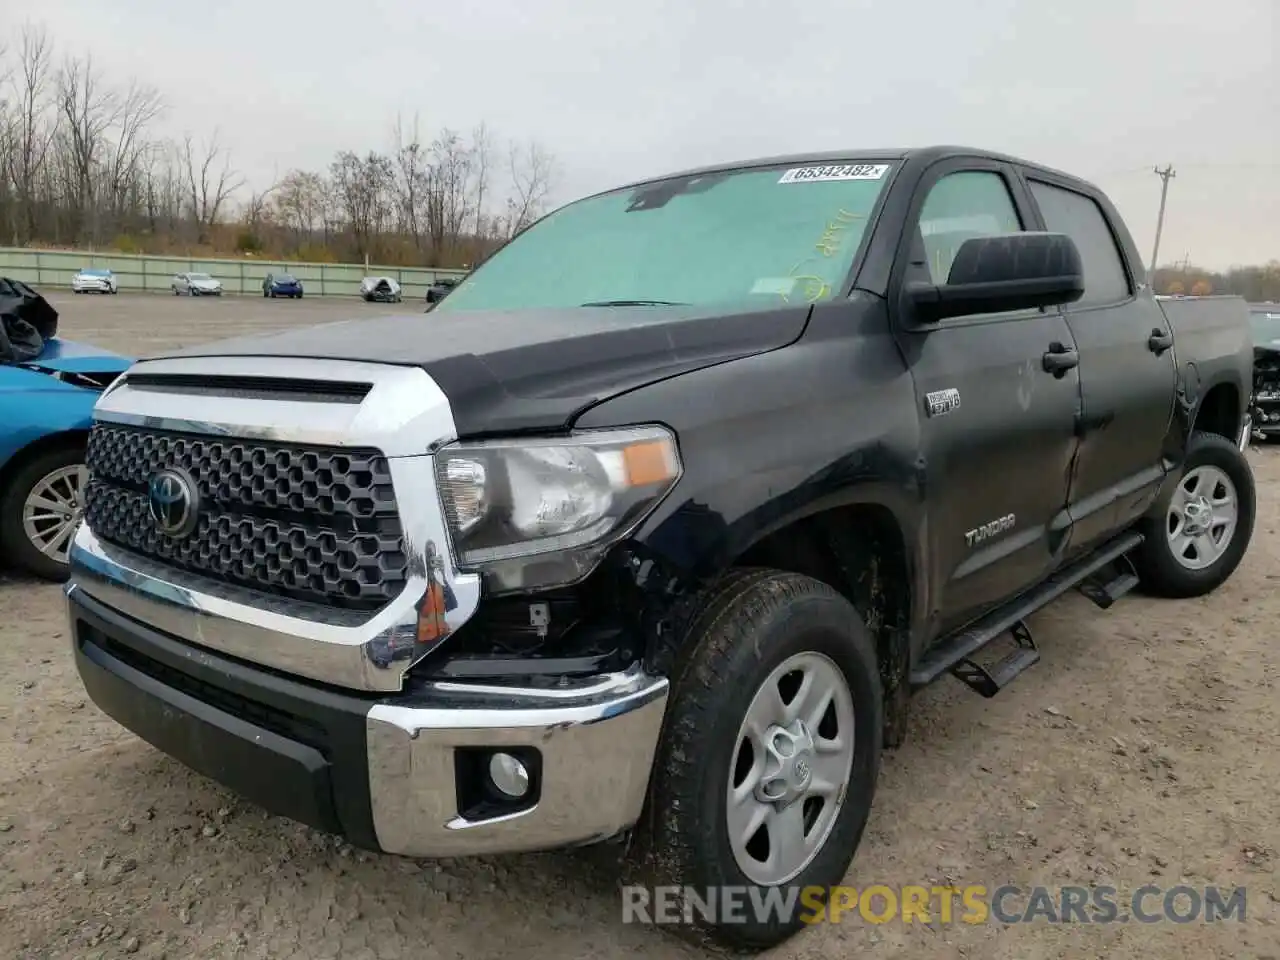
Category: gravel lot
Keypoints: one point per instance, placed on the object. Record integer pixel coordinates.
(1142, 749)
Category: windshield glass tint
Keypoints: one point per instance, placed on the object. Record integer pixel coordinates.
(756, 236)
(94, 273)
(1266, 326)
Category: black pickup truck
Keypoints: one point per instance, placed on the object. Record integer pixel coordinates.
(652, 529)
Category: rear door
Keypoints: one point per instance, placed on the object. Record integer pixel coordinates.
(1127, 368)
(997, 429)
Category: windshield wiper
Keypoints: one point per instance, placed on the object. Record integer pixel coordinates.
(635, 303)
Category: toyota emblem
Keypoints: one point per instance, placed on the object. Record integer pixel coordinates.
(172, 499)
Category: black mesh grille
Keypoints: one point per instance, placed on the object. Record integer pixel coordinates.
(312, 524)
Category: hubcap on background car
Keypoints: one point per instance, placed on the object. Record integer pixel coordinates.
(791, 765)
(1202, 517)
(52, 510)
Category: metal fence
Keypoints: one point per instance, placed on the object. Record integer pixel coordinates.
(137, 274)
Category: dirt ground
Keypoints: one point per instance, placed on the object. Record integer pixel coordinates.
(1141, 750)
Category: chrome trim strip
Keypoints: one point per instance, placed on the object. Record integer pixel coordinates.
(1246, 430)
(597, 746)
(484, 706)
(404, 412)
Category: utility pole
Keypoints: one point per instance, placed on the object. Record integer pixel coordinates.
(1165, 176)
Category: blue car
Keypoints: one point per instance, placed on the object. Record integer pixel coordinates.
(282, 285)
(47, 393)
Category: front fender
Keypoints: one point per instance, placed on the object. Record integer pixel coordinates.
(828, 421)
(34, 406)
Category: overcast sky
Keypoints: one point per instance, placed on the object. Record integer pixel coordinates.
(1106, 89)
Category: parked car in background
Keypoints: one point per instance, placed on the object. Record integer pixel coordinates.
(48, 388)
(1265, 405)
(282, 285)
(196, 285)
(94, 280)
(380, 290)
(440, 289)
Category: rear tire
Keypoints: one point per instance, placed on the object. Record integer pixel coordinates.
(57, 474)
(763, 642)
(1198, 533)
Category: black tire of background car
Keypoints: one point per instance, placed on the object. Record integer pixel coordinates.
(743, 627)
(14, 543)
(1158, 569)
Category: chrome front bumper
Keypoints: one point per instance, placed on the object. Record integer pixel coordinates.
(595, 741)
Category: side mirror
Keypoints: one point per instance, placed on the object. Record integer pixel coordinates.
(1012, 271)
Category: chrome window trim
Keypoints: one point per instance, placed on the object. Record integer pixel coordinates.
(405, 415)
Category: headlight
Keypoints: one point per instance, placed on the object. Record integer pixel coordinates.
(542, 512)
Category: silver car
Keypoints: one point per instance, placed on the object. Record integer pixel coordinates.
(196, 285)
(94, 280)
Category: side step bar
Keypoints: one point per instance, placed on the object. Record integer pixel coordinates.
(953, 653)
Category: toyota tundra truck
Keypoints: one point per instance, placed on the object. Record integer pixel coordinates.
(648, 532)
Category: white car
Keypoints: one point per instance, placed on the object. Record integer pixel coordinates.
(94, 280)
(380, 289)
(196, 285)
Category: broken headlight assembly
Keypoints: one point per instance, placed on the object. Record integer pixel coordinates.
(531, 513)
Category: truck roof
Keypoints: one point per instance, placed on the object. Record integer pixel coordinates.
(923, 155)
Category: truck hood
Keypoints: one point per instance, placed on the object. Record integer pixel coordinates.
(510, 371)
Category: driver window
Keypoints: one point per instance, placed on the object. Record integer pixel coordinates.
(961, 206)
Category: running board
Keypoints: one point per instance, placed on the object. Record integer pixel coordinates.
(1112, 582)
(955, 651)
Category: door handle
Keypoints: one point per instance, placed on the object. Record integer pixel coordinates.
(1059, 359)
(1159, 341)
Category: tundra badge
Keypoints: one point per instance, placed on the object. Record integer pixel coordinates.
(941, 402)
(986, 530)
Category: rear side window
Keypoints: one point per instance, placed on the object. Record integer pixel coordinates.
(1080, 218)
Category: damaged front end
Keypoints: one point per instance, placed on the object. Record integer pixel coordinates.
(1265, 403)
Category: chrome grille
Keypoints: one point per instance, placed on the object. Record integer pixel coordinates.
(319, 525)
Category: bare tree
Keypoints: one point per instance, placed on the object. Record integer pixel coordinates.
(481, 160)
(257, 209)
(129, 150)
(300, 203)
(533, 171)
(411, 181)
(448, 207)
(87, 113)
(361, 188)
(208, 185)
(33, 127)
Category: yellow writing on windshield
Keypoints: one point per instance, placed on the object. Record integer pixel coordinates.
(829, 243)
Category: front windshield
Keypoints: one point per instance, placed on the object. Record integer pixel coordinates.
(94, 273)
(754, 237)
(284, 278)
(198, 276)
(1266, 327)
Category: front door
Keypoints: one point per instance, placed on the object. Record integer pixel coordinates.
(1127, 373)
(997, 428)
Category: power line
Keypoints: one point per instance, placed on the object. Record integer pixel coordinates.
(1165, 176)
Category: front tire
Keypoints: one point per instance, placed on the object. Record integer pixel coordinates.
(40, 509)
(769, 755)
(1198, 534)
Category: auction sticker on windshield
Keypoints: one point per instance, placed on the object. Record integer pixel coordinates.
(839, 171)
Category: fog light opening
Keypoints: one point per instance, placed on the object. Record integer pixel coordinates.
(508, 775)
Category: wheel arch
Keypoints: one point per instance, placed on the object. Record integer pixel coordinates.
(43, 444)
(1219, 411)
